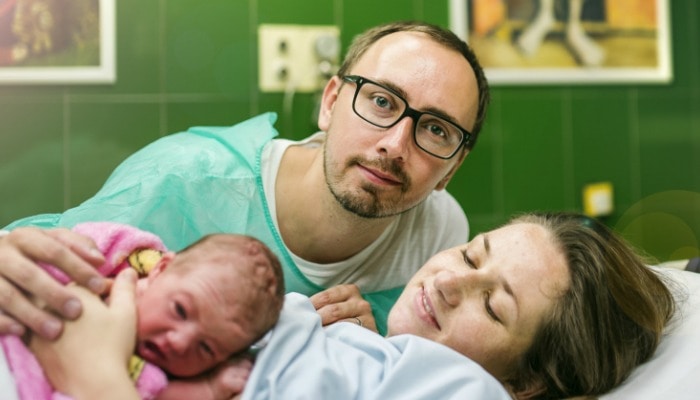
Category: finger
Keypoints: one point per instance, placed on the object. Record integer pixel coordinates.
(79, 243)
(8, 326)
(61, 248)
(334, 312)
(335, 294)
(123, 290)
(82, 260)
(25, 275)
(345, 310)
(17, 308)
(230, 379)
(355, 320)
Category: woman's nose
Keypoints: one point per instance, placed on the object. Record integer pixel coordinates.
(449, 284)
(456, 285)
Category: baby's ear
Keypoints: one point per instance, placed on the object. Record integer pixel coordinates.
(161, 265)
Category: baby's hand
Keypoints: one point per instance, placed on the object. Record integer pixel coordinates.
(226, 382)
(232, 377)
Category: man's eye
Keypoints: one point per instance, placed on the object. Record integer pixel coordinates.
(438, 131)
(382, 102)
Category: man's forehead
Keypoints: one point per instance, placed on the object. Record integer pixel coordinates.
(428, 74)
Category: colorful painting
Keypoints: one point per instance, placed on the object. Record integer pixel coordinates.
(567, 41)
(57, 41)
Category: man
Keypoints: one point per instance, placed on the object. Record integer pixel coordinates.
(357, 209)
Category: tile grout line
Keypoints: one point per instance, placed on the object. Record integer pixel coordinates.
(635, 147)
(253, 23)
(162, 96)
(66, 150)
(568, 148)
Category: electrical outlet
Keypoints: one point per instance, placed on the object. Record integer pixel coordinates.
(296, 57)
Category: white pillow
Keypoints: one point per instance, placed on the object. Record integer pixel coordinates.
(673, 373)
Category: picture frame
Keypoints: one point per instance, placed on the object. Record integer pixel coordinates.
(57, 42)
(521, 42)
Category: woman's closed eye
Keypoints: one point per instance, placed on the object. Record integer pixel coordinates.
(487, 294)
(489, 309)
(470, 263)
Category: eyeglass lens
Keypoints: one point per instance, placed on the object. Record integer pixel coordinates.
(380, 107)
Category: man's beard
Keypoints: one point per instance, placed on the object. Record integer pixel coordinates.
(364, 201)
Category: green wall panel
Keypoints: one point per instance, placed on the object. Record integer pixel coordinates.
(182, 63)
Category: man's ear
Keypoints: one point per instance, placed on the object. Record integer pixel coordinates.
(330, 95)
(460, 159)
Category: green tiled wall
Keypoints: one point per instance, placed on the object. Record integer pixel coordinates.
(184, 63)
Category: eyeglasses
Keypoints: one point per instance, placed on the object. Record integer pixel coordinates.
(383, 107)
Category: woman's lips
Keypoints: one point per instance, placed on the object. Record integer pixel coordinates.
(426, 309)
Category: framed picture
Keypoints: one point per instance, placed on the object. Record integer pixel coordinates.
(57, 41)
(567, 41)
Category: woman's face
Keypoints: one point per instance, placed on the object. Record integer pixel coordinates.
(485, 299)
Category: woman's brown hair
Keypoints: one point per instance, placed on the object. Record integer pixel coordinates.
(608, 322)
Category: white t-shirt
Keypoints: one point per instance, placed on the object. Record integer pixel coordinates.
(434, 225)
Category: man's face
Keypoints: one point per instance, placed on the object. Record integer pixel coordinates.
(379, 172)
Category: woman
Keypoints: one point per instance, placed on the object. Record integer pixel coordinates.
(550, 305)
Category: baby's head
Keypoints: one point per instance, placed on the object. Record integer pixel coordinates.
(210, 301)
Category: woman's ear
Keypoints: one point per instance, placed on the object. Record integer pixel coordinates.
(530, 391)
(330, 95)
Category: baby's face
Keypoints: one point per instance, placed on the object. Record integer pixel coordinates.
(191, 320)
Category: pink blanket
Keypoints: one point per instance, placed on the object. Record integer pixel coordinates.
(116, 242)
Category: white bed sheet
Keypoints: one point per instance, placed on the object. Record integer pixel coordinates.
(673, 373)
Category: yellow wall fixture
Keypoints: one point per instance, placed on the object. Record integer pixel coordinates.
(598, 199)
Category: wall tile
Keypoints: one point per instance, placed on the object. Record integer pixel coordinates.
(101, 136)
(31, 157)
(309, 12)
(182, 63)
(602, 147)
(208, 48)
(534, 176)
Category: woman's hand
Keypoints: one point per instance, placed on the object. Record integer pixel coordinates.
(344, 303)
(20, 251)
(89, 360)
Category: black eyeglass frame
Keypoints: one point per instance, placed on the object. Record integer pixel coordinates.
(408, 112)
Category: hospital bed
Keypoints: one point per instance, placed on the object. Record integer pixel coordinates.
(673, 373)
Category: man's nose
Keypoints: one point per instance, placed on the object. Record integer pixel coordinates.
(396, 141)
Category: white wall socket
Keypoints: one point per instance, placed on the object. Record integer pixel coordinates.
(290, 56)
